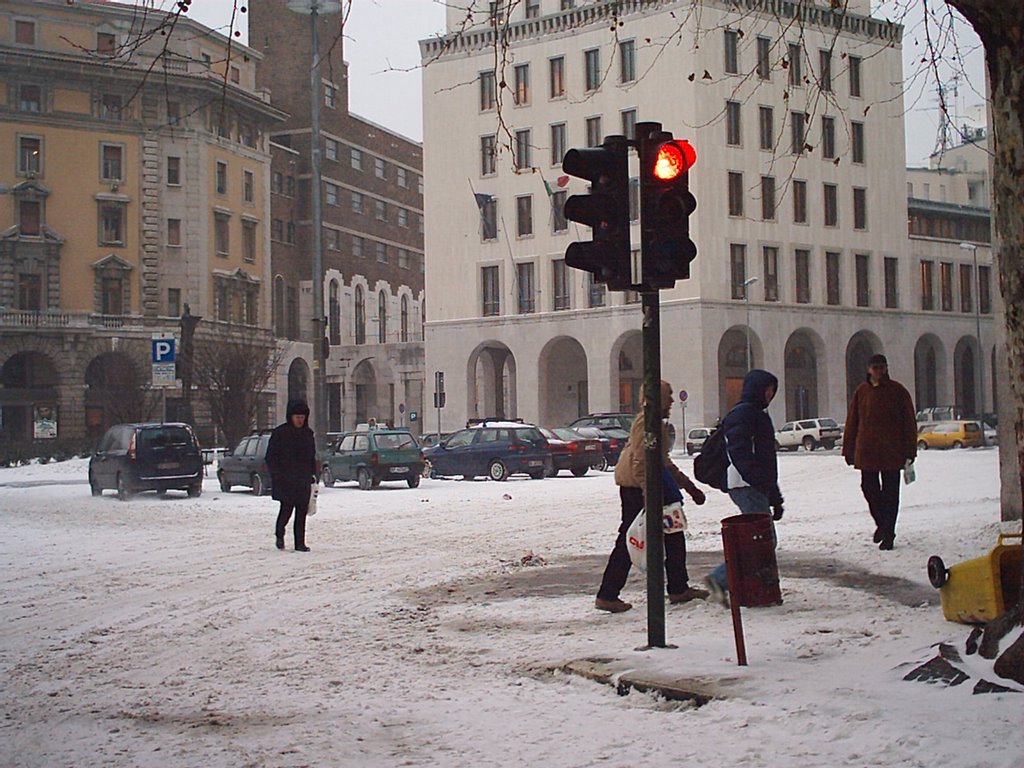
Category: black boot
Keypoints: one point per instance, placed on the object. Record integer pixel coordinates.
(280, 542)
(301, 548)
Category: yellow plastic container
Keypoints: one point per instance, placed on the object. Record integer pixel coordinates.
(976, 591)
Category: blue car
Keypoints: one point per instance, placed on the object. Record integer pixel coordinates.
(496, 449)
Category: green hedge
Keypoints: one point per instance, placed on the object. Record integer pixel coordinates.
(13, 454)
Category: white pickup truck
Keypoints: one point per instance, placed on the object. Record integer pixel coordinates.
(808, 433)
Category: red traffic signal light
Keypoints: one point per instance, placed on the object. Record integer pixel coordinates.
(673, 158)
(665, 208)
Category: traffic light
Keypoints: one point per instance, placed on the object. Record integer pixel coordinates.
(665, 208)
(605, 210)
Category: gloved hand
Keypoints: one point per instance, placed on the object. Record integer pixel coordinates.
(697, 495)
(777, 511)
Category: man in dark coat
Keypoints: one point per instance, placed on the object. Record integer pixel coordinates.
(880, 438)
(291, 459)
(753, 473)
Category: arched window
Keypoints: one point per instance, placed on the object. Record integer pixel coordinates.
(382, 317)
(334, 314)
(360, 316)
(279, 307)
(404, 329)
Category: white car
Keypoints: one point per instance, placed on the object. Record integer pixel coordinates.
(808, 434)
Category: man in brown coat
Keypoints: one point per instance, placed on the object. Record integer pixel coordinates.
(629, 476)
(881, 436)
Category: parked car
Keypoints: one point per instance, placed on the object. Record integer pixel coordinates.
(427, 439)
(991, 435)
(496, 449)
(246, 465)
(147, 457)
(696, 438)
(373, 457)
(939, 413)
(573, 451)
(613, 440)
(620, 420)
(950, 434)
(809, 434)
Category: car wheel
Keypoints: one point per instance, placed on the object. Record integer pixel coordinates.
(602, 465)
(540, 475)
(257, 485)
(432, 473)
(327, 477)
(937, 573)
(496, 470)
(922, 445)
(225, 486)
(808, 443)
(579, 471)
(94, 487)
(195, 491)
(123, 491)
(365, 481)
(957, 444)
(413, 481)
(828, 444)
(778, 446)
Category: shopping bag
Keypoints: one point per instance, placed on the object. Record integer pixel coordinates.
(909, 475)
(636, 541)
(314, 491)
(673, 518)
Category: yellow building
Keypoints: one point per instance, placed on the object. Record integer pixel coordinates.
(136, 185)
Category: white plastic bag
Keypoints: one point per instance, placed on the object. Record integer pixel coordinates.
(314, 491)
(909, 475)
(636, 541)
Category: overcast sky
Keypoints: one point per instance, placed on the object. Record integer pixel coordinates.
(381, 48)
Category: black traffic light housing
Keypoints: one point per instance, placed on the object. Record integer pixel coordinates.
(605, 210)
(665, 207)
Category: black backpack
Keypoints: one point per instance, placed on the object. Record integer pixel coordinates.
(712, 462)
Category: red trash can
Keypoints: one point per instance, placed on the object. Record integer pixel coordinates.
(749, 543)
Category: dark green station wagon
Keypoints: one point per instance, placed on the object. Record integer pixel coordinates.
(373, 457)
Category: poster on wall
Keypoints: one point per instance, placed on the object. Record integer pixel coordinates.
(44, 425)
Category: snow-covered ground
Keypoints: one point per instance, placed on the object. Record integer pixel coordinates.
(170, 632)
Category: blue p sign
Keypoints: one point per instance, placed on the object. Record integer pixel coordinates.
(163, 350)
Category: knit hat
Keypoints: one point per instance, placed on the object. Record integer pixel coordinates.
(878, 360)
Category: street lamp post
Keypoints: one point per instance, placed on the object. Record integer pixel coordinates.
(977, 328)
(314, 8)
(746, 300)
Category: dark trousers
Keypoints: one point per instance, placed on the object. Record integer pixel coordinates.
(882, 492)
(617, 570)
(299, 504)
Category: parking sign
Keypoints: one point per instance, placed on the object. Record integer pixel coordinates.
(163, 350)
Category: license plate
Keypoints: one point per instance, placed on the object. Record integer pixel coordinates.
(536, 463)
(590, 448)
(168, 465)
(399, 470)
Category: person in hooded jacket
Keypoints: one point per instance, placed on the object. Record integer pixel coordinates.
(880, 438)
(291, 459)
(630, 473)
(753, 473)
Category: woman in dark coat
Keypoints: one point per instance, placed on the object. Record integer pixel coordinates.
(291, 459)
(880, 438)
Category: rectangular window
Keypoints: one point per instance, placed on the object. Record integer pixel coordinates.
(173, 112)
(862, 264)
(30, 218)
(174, 231)
(532, 9)
(830, 194)
(111, 296)
(330, 193)
(825, 70)
(833, 289)
(174, 302)
(732, 123)
(927, 285)
(985, 290)
(249, 240)
(766, 127)
(524, 216)
(356, 159)
(854, 76)
(522, 80)
(110, 106)
(221, 234)
(803, 275)
(358, 247)
(25, 32)
(488, 97)
(30, 155)
(489, 219)
(966, 286)
(763, 52)
(828, 138)
(946, 286)
(558, 149)
(110, 162)
(276, 229)
(593, 130)
(771, 272)
(222, 178)
(857, 141)
(330, 96)
(596, 292)
(289, 232)
(627, 57)
(592, 69)
(527, 292)
(629, 123)
(490, 291)
(768, 198)
(174, 171)
(30, 98)
(249, 187)
(30, 292)
(380, 210)
(860, 208)
(330, 149)
(732, 54)
(796, 65)
(892, 296)
(380, 168)
(382, 252)
(735, 193)
(799, 202)
(488, 155)
(403, 218)
(560, 284)
(798, 132)
(558, 221)
(276, 182)
(738, 269)
(112, 223)
(524, 154)
(403, 258)
(556, 71)
(235, 74)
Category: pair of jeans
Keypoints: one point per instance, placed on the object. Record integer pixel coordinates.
(881, 490)
(299, 504)
(750, 501)
(677, 580)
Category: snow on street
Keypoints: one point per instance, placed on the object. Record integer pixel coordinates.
(170, 632)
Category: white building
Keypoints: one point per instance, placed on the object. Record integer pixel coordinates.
(796, 115)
